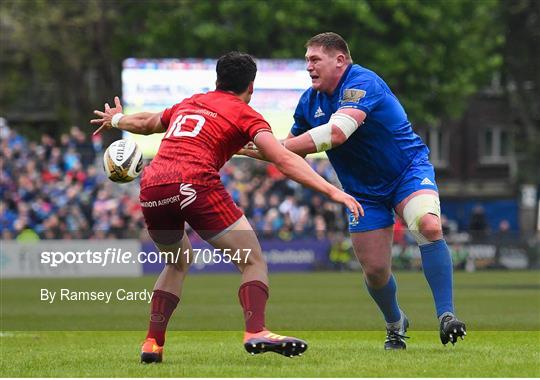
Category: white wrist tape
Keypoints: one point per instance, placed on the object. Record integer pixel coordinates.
(322, 135)
(116, 119)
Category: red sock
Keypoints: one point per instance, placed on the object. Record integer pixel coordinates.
(253, 296)
(163, 305)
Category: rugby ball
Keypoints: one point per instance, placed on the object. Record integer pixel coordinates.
(123, 161)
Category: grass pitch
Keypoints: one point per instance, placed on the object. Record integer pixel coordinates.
(219, 354)
(502, 311)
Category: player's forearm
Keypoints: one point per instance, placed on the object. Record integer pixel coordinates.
(138, 123)
(301, 145)
(339, 128)
(299, 170)
(304, 144)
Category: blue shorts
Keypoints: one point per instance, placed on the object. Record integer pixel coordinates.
(379, 210)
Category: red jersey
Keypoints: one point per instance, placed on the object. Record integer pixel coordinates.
(203, 132)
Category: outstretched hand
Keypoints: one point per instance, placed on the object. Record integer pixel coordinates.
(352, 204)
(104, 122)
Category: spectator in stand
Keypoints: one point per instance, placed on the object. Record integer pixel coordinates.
(478, 226)
(341, 252)
(504, 234)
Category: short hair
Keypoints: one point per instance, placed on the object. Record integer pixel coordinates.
(330, 41)
(235, 71)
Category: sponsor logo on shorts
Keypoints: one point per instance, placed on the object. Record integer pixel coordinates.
(427, 181)
(352, 220)
(191, 195)
(161, 202)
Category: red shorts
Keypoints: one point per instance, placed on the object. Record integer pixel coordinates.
(166, 208)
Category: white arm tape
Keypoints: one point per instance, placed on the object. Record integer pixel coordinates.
(322, 135)
(346, 123)
(116, 119)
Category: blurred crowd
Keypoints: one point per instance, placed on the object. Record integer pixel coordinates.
(56, 189)
(279, 207)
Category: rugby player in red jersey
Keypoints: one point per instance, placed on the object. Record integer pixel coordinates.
(182, 184)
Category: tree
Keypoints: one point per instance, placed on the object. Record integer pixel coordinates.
(433, 53)
(56, 57)
(521, 80)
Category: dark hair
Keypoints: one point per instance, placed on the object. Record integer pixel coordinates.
(235, 71)
(330, 41)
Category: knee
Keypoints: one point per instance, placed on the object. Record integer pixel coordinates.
(377, 275)
(430, 227)
(421, 215)
(254, 260)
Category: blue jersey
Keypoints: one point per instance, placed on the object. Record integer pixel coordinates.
(372, 160)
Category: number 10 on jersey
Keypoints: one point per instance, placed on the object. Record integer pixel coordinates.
(184, 121)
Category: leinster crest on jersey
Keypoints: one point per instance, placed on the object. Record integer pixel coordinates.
(352, 95)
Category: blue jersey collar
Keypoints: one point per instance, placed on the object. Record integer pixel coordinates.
(343, 77)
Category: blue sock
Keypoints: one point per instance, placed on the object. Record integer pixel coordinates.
(437, 265)
(386, 299)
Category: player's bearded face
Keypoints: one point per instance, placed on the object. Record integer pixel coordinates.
(322, 68)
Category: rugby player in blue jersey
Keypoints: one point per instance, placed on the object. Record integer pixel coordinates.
(352, 114)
